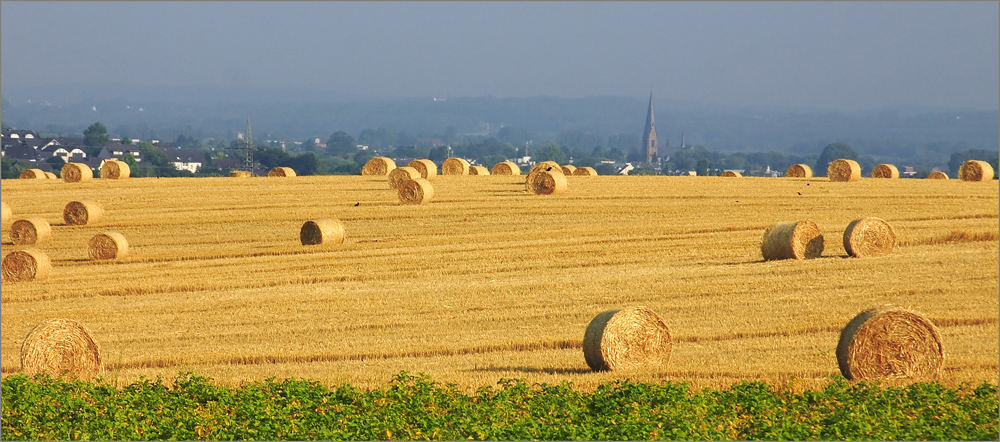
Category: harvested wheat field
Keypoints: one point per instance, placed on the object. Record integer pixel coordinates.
(488, 282)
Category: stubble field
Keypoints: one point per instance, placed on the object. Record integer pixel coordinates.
(489, 282)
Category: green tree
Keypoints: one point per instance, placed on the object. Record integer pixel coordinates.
(549, 152)
(702, 167)
(830, 153)
(10, 168)
(340, 143)
(96, 136)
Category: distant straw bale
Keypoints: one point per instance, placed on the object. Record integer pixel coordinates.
(585, 171)
(627, 338)
(61, 347)
(26, 265)
(799, 171)
(428, 170)
(844, 170)
(418, 191)
(378, 166)
(239, 173)
(885, 171)
(506, 168)
(281, 172)
(455, 166)
(568, 169)
(76, 172)
(974, 170)
(115, 170)
(79, 213)
(890, 343)
(937, 175)
(545, 182)
(792, 240)
(546, 166)
(33, 174)
(51, 176)
(29, 231)
(400, 175)
(321, 231)
(107, 245)
(732, 173)
(478, 170)
(870, 236)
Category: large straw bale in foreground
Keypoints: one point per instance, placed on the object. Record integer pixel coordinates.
(281, 172)
(7, 215)
(885, 171)
(321, 231)
(568, 169)
(974, 170)
(428, 170)
(889, 343)
(400, 175)
(937, 175)
(545, 182)
(418, 191)
(843, 170)
(61, 347)
(29, 231)
(378, 166)
(478, 170)
(107, 245)
(626, 338)
(792, 240)
(506, 168)
(585, 171)
(732, 174)
(26, 265)
(115, 170)
(455, 166)
(80, 213)
(799, 171)
(76, 172)
(33, 174)
(870, 236)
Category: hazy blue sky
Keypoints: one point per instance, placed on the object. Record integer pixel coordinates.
(821, 55)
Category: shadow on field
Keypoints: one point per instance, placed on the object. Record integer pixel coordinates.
(533, 370)
(761, 261)
(502, 192)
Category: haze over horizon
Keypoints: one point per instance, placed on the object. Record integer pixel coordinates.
(837, 56)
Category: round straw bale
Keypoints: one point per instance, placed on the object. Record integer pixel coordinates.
(281, 172)
(115, 170)
(568, 169)
(33, 174)
(107, 245)
(626, 338)
(974, 170)
(79, 213)
(799, 171)
(546, 166)
(418, 191)
(239, 173)
(937, 175)
(455, 166)
(869, 236)
(546, 182)
(890, 343)
(51, 176)
(843, 170)
(506, 168)
(792, 240)
(732, 173)
(585, 171)
(321, 231)
(26, 265)
(61, 347)
(428, 170)
(885, 171)
(378, 166)
(28, 231)
(76, 172)
(400, 175)
(478, 170)
(7, 214)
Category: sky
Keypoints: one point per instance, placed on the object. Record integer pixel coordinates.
(819, 55)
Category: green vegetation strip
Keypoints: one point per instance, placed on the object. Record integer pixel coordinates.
(415, 407)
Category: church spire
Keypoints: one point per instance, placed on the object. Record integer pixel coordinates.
(649, 133)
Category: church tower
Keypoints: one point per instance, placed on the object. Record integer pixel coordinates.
(649, 134)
